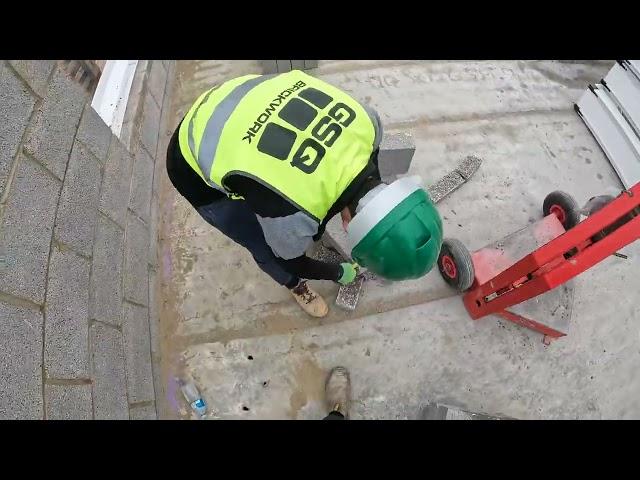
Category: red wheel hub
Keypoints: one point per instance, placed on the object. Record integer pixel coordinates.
(559, 212)
(449, 266)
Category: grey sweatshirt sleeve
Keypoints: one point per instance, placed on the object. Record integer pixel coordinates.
(289, 237)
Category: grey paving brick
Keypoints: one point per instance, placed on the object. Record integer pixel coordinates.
(109, 377)
(147, 412)
(51, 135)
(137, 350)
(16, 104)
(67, 316)
(297, 64)
(141, 184)
(25, 232)
(105, 293)
(157, 80)
(68, 402)
(150, 123)
(94, 133)
(136, 246)
(77, 211)
(114, 194)
(445, 186)
(468, 166)
(20, 363)
(308, 64)
(35, 73)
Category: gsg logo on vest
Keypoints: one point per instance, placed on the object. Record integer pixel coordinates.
(300, 112)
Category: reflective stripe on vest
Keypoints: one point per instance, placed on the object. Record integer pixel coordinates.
(301, 137)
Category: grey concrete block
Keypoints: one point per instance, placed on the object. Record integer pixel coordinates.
(66, 350)
(68, 402)
(150, 124)
(335, 237)
(78, 207)
(157, 81)
(147, 412)
(35, 73)
(136, 246)
(105, 293)
(114, 194)
(16, 104)
(51, 135)
(141, 184)
(94, 133)
(109, 377)
(396, 153)
(20, 363)
(25, 232)
(269, 67)
(283, 66)
(137, 351)
(297, 64)
(309, 64)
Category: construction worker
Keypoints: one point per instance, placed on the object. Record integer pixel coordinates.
(268, 160)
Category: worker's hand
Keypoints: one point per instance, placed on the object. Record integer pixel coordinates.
(345, 214)
(349, 273)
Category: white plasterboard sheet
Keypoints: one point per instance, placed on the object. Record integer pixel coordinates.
(634, 67)
(611, 137)
(625, 88)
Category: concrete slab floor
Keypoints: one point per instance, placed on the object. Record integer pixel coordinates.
(253, 352)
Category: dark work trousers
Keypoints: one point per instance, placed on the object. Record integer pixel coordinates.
(237, 221)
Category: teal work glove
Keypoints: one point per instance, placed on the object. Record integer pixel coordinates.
(349, 273)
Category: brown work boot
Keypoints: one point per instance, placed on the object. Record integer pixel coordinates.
(338, 391)
(310, 301)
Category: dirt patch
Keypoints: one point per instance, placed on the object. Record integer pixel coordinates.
(308, 384)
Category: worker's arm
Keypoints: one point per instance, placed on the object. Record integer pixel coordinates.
(309, 268)
(289, 238)
(287, 230)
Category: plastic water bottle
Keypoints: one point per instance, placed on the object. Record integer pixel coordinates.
(193, 397)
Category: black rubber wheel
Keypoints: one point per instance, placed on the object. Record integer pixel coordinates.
(455, 264)
(564, 207)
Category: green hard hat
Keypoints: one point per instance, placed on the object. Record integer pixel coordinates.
(398, 233)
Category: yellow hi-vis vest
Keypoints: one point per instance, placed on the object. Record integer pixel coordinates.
(299, 136)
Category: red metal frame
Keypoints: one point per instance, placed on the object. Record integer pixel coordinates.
(546, 268)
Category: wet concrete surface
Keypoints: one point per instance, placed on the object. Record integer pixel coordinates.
(411, 343)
